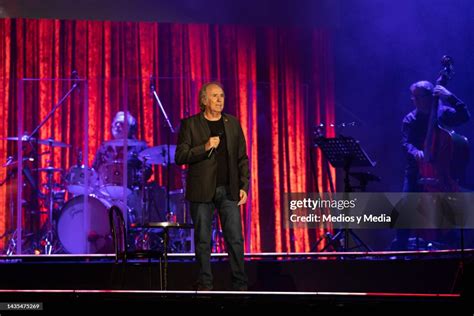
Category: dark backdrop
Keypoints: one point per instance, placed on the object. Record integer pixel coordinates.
(384, 46)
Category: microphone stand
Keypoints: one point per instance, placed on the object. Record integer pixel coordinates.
(74, 86)
(319, 134)
(171, 130)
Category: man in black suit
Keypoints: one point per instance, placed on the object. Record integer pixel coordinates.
(213, 145)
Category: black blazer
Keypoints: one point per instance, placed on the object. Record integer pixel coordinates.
(202, 171)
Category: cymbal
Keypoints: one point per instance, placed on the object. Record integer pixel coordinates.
(158, 155)
(121, 142)
(13, 162)
(49, 169)
(49, 141)
(24, 138)
(52, 142)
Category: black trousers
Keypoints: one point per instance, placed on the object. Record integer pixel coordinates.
(229, 213)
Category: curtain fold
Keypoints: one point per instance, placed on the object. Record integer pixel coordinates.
(278, 82)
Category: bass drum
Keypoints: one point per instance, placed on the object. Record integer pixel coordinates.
(72, 234)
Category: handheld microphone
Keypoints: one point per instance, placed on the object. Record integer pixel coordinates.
(213, 148)
(210, 152)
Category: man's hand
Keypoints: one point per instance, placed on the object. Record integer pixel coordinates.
(243, 197)
(213, 142)
(419, 155)
(441, 92)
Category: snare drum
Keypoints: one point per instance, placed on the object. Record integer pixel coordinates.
(76, 180)
(112, 181)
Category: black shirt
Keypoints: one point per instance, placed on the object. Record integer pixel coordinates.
(220, 154)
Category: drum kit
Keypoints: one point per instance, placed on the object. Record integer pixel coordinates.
(85, 188)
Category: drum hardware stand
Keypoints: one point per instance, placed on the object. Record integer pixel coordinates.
(11, 244)
(143, 239)
(48, 238)
(144, 195)
(12, 233)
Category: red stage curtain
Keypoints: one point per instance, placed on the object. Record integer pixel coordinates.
(278, 82)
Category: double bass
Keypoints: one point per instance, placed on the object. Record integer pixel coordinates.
(446, 153)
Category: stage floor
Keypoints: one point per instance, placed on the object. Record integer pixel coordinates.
(305, 282)
(91, 301)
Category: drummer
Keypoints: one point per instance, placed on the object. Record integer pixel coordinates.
(112, 151)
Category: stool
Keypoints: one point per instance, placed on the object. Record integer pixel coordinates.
(166, 226)
(122, 253)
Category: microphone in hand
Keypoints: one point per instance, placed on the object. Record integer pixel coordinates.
(210, 152)
(213, 149)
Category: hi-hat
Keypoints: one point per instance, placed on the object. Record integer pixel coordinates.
(121, 142)
(49, 141)
(158, 155)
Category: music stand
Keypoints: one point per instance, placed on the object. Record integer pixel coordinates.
(344, 152)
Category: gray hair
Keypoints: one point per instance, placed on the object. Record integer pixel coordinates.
(203, 92)
(131, 121)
